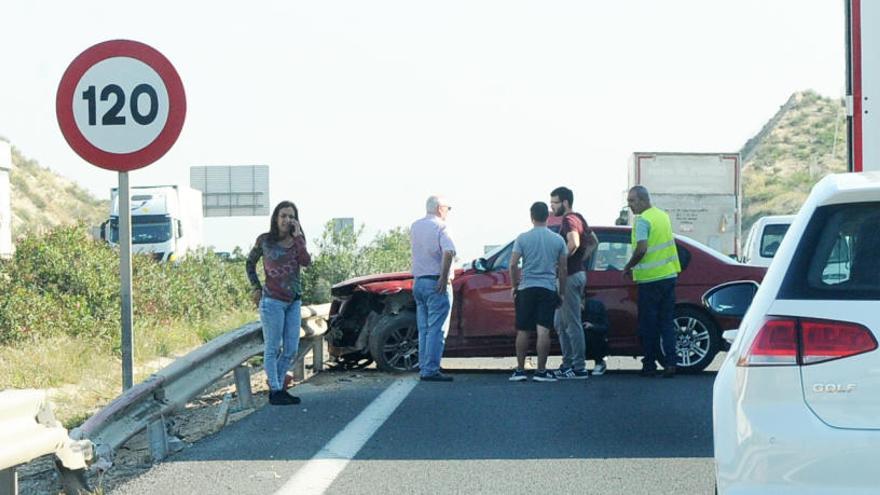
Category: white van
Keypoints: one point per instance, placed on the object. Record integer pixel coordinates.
(764, 239)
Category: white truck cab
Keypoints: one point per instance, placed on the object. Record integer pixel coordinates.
(166, 221)
(764, 239)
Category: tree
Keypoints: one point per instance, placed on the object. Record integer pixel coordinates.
(340, 257)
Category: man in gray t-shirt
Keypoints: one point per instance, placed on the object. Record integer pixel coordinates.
(536, 293)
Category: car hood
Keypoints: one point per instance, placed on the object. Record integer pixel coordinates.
(382, 283)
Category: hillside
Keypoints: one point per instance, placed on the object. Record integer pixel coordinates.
(802, 143)
(42, 199)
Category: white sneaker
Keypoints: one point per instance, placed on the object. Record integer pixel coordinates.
(599, 369)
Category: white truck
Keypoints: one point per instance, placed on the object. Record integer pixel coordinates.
(166, 221)
(764, 239)
(700, 191)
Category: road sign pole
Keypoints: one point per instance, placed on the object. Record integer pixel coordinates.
(125, 281)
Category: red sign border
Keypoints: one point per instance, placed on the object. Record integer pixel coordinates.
(121, 162)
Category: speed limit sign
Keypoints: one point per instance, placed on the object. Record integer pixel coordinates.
(120, 105)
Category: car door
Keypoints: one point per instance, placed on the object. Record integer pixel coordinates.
(486, 312)
(605, 282)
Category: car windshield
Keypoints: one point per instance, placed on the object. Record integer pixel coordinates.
(708, 250)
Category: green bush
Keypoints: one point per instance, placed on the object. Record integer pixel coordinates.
(65, 283)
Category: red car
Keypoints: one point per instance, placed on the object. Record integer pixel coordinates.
(373, 318)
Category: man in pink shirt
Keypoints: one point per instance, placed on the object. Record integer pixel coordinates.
(432, 254)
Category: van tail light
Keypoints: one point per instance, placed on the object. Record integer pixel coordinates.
(796, 341)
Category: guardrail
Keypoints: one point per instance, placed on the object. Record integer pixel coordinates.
(28, 429)
(144, 406)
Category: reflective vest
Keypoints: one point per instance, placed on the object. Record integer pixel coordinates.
(661, 259)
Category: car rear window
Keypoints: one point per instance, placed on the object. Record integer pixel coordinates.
(838, 257)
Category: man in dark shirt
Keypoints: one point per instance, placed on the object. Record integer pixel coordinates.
(581, 242)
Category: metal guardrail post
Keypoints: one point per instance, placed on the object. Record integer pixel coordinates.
(158, 439)
(9, 481)
(299, 368)
(243, 387)
(318, 354)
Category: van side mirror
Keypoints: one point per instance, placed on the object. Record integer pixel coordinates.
(731, 299)
(179, 229)
(104, 230)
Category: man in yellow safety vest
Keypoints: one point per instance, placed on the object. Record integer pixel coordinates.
(655, 267)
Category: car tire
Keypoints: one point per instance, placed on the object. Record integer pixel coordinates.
(697, 340)
(394, 343)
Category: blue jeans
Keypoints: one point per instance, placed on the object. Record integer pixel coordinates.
(281, 325)
(656, 315)
(432, 316)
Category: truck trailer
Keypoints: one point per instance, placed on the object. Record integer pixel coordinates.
(700, 191)
(166, 221)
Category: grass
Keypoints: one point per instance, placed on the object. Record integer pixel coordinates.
(84, 374)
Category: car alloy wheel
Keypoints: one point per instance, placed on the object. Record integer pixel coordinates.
(696, 340)
(394, 343)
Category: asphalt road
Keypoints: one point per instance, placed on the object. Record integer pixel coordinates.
(615, 434)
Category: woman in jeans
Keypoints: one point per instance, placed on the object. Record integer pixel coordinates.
(283, 250)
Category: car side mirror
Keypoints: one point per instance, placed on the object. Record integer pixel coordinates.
(179, 229)
(731, 299)
(480, 265)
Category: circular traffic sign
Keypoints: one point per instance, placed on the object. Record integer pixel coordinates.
(120, 105)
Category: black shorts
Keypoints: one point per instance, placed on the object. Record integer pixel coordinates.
(535, 306)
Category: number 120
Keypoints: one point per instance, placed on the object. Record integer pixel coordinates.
(111, 116)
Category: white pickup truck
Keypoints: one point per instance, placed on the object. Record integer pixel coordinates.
(764, 239)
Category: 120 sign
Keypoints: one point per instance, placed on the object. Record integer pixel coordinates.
(111, 116)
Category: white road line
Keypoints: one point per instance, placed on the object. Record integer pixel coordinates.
(318, 474)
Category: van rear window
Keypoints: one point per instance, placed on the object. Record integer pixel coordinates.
(838, 258)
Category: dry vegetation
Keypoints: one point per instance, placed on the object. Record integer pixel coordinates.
(802, 143)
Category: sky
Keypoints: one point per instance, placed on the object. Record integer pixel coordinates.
(364, 109)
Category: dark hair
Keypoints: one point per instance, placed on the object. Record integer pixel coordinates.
(539, 211)
(642, 193)
(564, 194)
(273, 226)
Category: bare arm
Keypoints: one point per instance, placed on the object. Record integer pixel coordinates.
(592, 243)
(444, 271)
(514, 271)
(638, 254)
(572, 242)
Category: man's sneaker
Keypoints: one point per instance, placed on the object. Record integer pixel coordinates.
(599, 369)
(563, 373)
(544, 376)
(579, 375)
(518, 376)
(669, 372)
